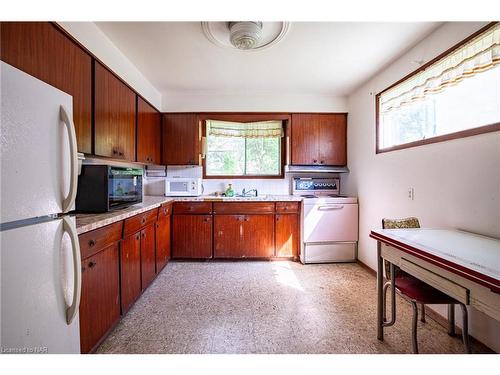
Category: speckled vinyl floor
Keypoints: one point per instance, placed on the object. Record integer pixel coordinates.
(267, 307)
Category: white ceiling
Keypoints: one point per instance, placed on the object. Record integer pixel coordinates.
(314, 58)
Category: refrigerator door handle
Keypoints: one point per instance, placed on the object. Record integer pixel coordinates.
(73, 182)
(72, 310)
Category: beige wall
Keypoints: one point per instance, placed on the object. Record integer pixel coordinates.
(89, 35)
(252, 102)
(456, 183)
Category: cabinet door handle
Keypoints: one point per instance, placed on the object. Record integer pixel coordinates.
(137, 237)
(144, 235)
(143, 220)
(277, 217)
(91, 243)
(92, 264)
(322, 162)
(315, 161)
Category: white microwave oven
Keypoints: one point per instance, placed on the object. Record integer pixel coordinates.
(183, 187)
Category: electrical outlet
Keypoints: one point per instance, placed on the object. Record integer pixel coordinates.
(411, 193)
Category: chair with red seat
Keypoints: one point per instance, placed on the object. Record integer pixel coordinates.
(417, 292)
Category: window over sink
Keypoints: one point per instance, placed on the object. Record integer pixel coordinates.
(245, 150)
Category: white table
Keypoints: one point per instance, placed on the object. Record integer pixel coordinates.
(464, 265)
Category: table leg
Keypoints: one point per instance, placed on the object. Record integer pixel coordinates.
(380, 293)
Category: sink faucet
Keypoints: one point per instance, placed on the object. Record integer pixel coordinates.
(245, 193)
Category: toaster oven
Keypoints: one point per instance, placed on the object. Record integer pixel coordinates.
(102, 188)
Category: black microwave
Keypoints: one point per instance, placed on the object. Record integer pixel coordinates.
(102, 188)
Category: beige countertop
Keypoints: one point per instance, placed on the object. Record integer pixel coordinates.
(261, 198)
(88, 222)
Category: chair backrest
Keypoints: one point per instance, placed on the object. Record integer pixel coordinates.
(408, 222)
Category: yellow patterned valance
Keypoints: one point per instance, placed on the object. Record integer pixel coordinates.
(479, 54)
(260, 129)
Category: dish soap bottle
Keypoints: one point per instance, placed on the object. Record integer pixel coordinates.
(230, 191)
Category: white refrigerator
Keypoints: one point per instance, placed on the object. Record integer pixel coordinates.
(39, 251)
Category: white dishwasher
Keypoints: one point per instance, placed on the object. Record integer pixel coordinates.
(329, 221)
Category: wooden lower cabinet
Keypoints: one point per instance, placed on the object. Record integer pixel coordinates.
(228, 236)
(162, 242)
(130, 270)
(243, 236)
(287, 231)
(148, 259)
(192, 236)
(100, 297)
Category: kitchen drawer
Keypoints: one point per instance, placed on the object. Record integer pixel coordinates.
(164, 210)
(135, 223)
(243, 207)
(192, 207)
(287, 207)
(448, 287)
(94, 241)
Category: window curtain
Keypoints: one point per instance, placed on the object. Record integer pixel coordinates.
(477, 55)
(260, 129)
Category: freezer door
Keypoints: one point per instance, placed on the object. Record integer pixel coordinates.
(37, 287)
(38, 147)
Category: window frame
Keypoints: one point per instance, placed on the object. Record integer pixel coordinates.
(248, 117)
(439, 138)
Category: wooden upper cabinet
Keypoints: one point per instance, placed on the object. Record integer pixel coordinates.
(43, 51)
(304, 140)
(333, 139)
(180, 139)
(114, 116)
(148, 133)
(319, 139)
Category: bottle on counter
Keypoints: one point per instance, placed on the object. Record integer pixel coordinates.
(230, 191)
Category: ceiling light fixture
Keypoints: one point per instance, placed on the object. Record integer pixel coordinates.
(245, 34)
